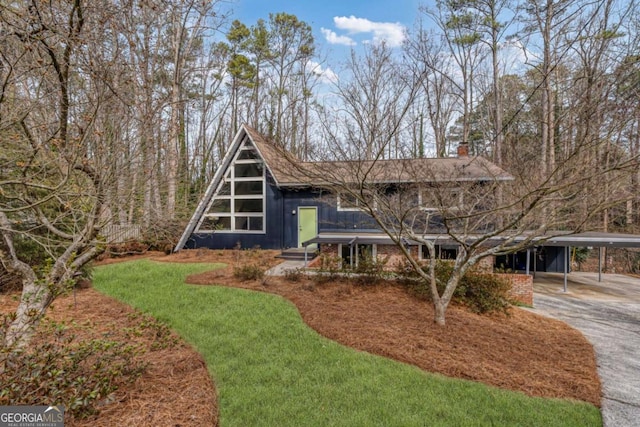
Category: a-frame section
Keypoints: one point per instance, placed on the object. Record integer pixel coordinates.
(251, 206)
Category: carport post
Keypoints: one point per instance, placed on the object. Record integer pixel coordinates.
(566, 261)
(535, 261)
(599, 263)
(528, 255)
(351, 254)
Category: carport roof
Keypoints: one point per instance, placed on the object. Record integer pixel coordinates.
(362, 238)
(586, 239)
(595, 239)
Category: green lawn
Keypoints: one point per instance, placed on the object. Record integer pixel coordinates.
(270, 369)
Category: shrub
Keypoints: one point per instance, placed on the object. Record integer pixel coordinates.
(248, 272)
(330, 263)
(329, 269)
(484, 293)
(294, 274)
(163, 236)
(158, 332)
(117, 250)
(480, 292)
(370, 271)
(78, 374)
(322, 277)
(9, 281)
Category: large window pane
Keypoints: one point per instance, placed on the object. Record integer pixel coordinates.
(225, 190)
(242, 223)
(215, 223)
(248, 205)
(246, 170)
(248, 188)
(221, 206)
(239, 204)
(255, 223)
(246, 143)
(249, 223)
(251, 154)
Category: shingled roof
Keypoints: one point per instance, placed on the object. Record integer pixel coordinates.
(289, 171)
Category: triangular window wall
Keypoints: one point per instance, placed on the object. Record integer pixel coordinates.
(238, 205)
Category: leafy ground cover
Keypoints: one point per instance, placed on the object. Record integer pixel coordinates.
(174, 387)
(272, 369)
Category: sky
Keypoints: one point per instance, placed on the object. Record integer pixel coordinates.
(339, 25)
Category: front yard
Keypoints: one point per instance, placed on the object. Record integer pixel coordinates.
(270, 368)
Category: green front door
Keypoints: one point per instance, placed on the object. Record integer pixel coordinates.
(307, 225)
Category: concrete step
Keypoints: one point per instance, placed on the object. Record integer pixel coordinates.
(296, 254)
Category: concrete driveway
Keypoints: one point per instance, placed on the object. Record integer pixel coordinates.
(608, 314)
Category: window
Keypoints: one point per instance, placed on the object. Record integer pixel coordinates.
(349, 202)
(221, 206)
(360, 252)
(440, 199)
(442, 252)
(248, 205)
(211, 222)
(244, 170)
(239, 203)
(248, 188)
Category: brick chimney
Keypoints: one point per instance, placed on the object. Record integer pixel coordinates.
(463, 150)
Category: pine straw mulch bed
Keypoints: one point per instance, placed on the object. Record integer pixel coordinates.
(522, 351)
(175, 389)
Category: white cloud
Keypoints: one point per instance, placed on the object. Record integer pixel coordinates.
(391, 33)
(326, 75)
(333, 38)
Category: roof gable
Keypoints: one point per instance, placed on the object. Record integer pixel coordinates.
(262, 149)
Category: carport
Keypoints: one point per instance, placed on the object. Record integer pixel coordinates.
(589, 240)
(567, 241)
(351, 239)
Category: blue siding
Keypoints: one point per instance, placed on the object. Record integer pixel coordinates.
(329, 218)
(554, 259)
(271, 239)
(282, 224)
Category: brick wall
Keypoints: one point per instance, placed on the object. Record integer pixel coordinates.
(521, 287)
(393, 255)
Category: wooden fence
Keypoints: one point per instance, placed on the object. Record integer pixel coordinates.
(116, 233)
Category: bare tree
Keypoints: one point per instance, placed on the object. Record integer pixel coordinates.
(375, 95)
(457, 27)
(189, 22)
(52, 185)
(466, 201)
(427, 58)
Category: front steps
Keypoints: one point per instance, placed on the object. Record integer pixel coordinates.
(297, 254)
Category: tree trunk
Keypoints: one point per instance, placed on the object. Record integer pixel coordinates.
(439, 311)
(35, 299)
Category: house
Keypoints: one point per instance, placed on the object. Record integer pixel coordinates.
(259, 199)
